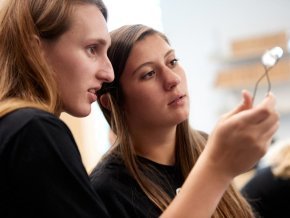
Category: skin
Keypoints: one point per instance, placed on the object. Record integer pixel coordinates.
(79, 59)
(153, 74)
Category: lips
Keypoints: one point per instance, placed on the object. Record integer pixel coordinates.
(93, 90)
(93, 94)
(176, 99)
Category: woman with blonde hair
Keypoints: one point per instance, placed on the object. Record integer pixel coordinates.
(159, 165)
(53, 59)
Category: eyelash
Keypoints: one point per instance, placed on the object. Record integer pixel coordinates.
(174, 62)
(150, 74)
(92, 50)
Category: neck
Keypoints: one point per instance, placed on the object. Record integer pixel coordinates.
(157, 144)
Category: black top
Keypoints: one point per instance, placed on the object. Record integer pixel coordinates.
(41, 171)
(268, 195)
(122, 195)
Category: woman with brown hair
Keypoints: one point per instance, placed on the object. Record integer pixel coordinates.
(53, 59)
(157, 154)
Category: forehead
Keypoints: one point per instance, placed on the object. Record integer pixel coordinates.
(88, 20)
(149, 49)
(151, 43)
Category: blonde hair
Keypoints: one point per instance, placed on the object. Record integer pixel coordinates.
(280, 162)
(189, 143)
(26, 80)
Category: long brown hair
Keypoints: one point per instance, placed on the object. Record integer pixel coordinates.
(26, 80)
(189, 142)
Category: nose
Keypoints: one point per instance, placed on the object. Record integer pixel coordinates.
(171, 79)
(106, 74)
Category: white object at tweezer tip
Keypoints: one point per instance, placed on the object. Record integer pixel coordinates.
(270, 57)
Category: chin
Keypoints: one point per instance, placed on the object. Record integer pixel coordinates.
(79, 112)
(182, 117)
(181, 120)
(84, 113)
(178, 119)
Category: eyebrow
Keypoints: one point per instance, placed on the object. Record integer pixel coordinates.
(99, 41)
(150, 62)
(104, 42)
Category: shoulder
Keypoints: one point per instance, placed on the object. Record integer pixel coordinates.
(31, 116)
(12, 124)
(27, 113)
(119, 191)
(22, 117)
(264, 183)
(267, 194)
(110, 172)
(26, 129)
(110, 165)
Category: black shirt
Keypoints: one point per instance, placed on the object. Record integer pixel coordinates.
(41, 171)
(123, 196)
(268, 195)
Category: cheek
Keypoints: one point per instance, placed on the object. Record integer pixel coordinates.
(74, 70)
(72, 80)
(72, 64)
(140, 97)
(69, 60)
(134, 98)
(141, 104)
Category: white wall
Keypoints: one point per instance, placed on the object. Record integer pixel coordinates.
(132, 12)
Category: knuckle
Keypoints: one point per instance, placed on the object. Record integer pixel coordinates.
(265, 111)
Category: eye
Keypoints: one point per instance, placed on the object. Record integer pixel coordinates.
(173, 62)
(92, 50)
(148, 75)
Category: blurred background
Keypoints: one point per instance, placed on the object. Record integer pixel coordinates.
(219, 44)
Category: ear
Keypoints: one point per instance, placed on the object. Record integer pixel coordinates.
(105, 101)
(37, 42)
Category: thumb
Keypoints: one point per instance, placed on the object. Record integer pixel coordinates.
(246, 104)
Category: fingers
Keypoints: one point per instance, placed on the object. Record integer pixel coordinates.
(264, 135)
(247, 99)
(269, 126)
(263, 120)
(244, 133)
(269, 100)
(262, 111)
(246, 104)
(269, 134)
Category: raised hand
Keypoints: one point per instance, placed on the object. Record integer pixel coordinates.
(242, 136)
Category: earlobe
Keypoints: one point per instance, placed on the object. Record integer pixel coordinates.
(105, 101)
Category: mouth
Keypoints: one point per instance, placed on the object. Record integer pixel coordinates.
(93, 91)
(93, 94)
(176, 99)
